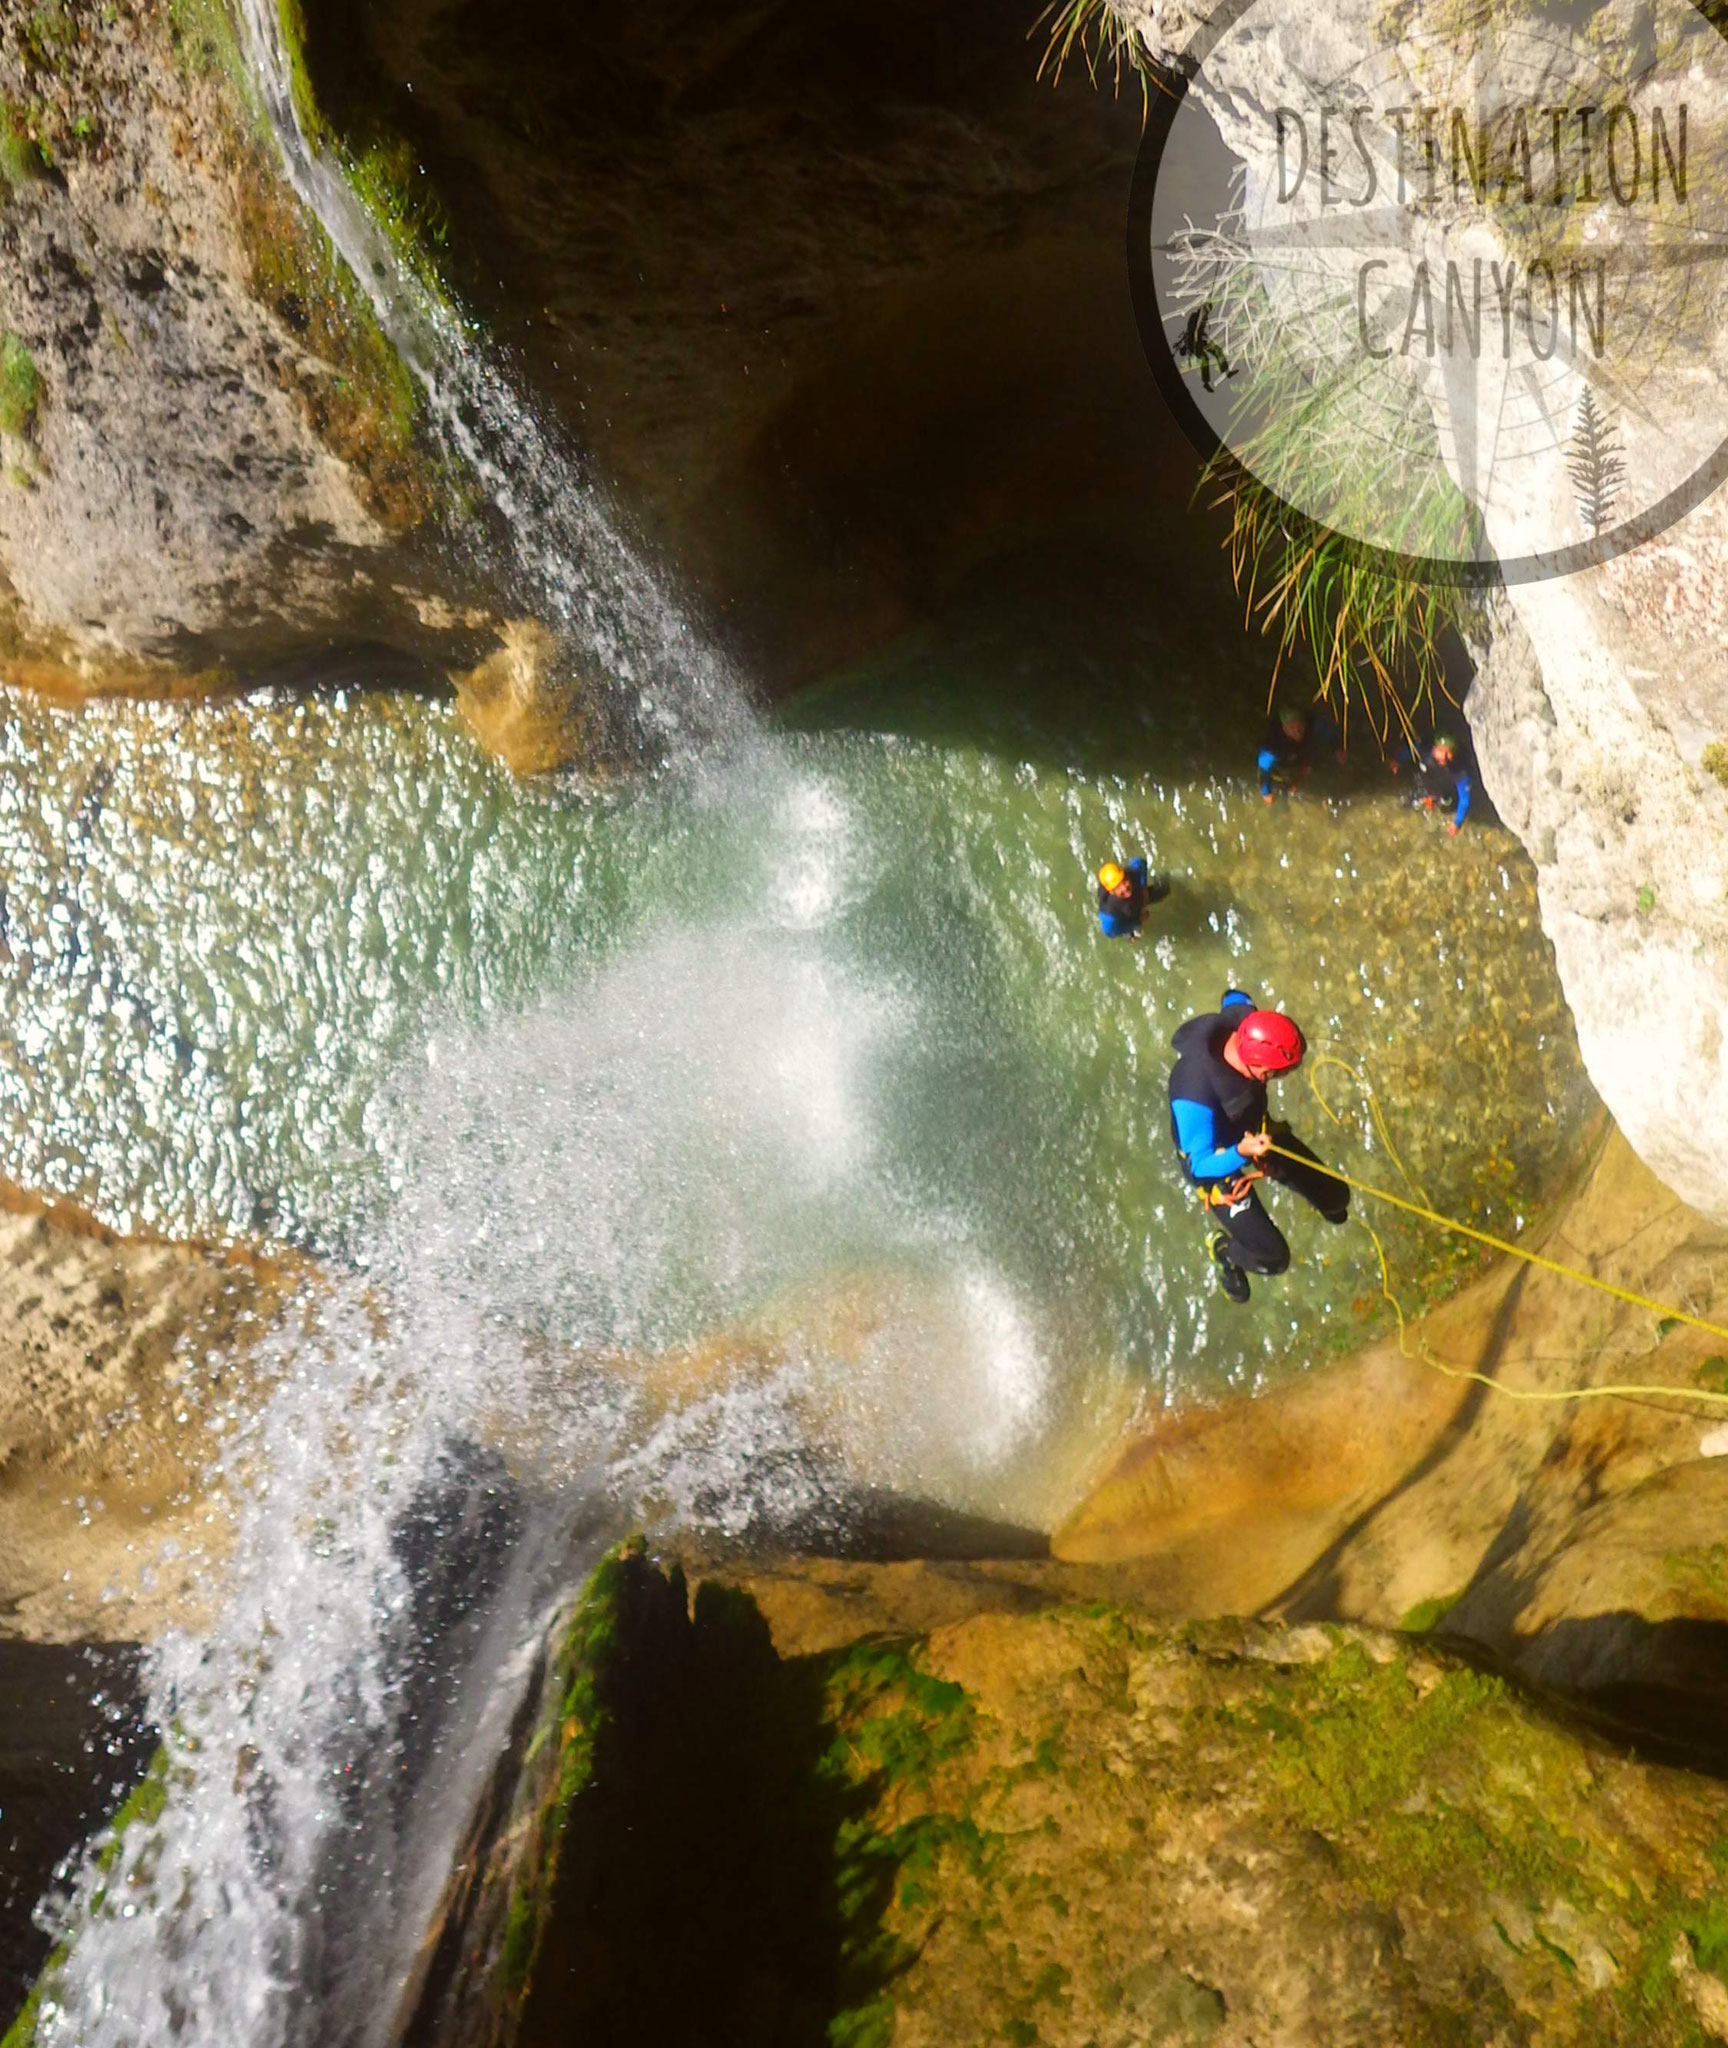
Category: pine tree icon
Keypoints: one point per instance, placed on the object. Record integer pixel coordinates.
(1597, 469)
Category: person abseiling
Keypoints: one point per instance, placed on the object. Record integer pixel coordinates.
(1122, 895)
(1220, 1128)
(1446, 775)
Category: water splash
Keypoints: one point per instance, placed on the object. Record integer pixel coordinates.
(606, 1288)
(783, 1191)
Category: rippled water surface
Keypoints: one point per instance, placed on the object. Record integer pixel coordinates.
(831, 1004)
(733, 1146)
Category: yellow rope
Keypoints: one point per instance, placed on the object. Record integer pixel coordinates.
(1326, 1059)
(1501, 1244)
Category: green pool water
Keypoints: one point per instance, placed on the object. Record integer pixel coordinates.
(833, 1004)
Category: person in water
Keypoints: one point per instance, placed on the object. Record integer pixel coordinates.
(1289, 747)
(1221, 1131)
(1444, 777)
(1123, 892)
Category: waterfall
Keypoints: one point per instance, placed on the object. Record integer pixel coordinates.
(566, 561)
(422, 1461)
(388, 1581)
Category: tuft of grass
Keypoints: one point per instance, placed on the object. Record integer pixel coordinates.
(1714, 761)
(1106, 40)
(1375, 634)
(20, 387)
(1335, 490)
(1646, 899)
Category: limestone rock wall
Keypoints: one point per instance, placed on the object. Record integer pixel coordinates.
(1597, 695)
(873, 1805)
(207, 450)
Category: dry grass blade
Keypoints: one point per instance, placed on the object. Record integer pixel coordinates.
(1106, 38)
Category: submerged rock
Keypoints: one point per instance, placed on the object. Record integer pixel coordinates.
(1071, 1826)
(529, 705)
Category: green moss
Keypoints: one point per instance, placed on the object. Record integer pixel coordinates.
(21, 159)
(208, 42)
(1428, 1614)
(589, 1644)
(1701, 1573)
(20, 387)
(900, 1723)
(45, 34)
(368, 414)
(381, 165)
(1648, 2004)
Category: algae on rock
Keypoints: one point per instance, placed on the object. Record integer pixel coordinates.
(1082, 1826)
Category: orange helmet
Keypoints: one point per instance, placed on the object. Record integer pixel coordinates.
(1111, 877)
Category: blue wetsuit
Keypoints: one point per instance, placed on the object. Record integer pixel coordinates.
(1120, 917)
(1447, 787)
(1211, 1105)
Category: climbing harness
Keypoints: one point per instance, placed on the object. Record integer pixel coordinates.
(1421, 1208)
(1226, 1194)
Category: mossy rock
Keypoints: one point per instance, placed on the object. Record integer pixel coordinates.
(1081, 1827)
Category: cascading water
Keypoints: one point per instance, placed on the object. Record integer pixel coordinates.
(713, 1150)
(556, 544)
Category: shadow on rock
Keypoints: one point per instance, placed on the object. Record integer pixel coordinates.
(72, 1745)
(717, 1883)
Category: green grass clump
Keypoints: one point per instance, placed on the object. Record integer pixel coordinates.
(1106, 41)
(1714, 761)
(20, 387)
(1375, 632)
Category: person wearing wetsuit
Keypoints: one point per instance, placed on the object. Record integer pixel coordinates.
(1445, 776)
(1220, 1128)
(1122, 897)
(1289, 747)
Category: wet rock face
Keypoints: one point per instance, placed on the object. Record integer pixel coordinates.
(1594, 702)
(1577, 1543)
(834, 297)
(113, 1356)
(177, 371)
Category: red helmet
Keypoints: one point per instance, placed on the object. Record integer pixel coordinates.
(1269, 1040)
